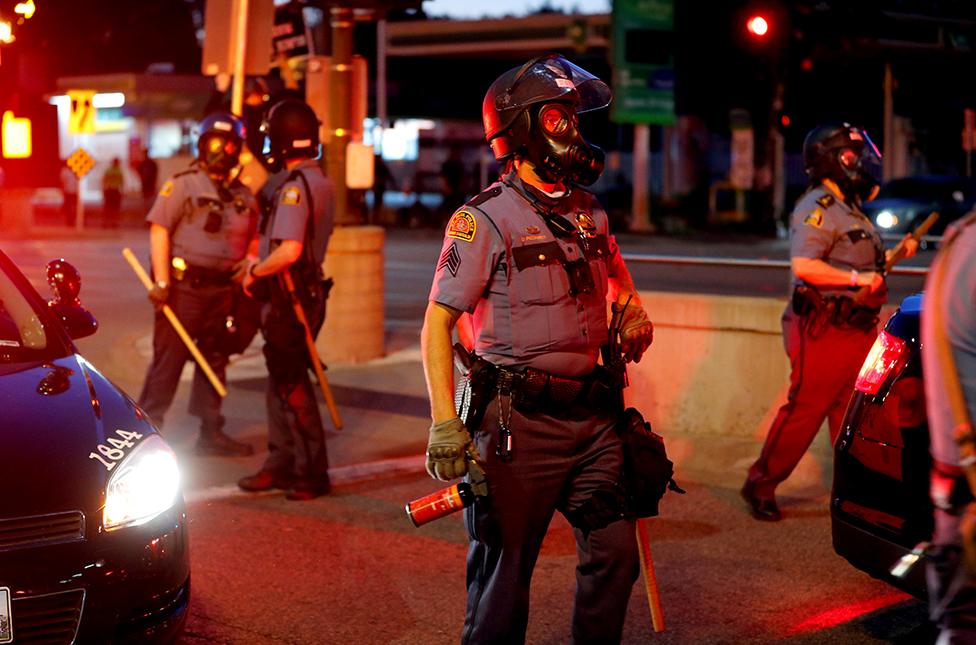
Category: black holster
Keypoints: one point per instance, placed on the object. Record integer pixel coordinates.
(474, 389)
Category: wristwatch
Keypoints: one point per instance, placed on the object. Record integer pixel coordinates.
(162, 284)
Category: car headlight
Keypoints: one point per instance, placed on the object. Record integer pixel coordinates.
(886, 219)
(144, 484)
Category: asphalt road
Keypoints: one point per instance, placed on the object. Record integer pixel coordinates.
(351, 568)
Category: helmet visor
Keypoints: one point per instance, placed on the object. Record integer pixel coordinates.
(553, 77)
(870, 152)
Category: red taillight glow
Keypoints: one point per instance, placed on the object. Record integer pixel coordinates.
(886, 354)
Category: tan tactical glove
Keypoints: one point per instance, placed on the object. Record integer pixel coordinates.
(446, 448)
(636, 331)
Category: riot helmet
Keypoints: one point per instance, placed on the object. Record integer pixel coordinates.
(220, 142)
(845, 155)
(291, 130)
(531, 111)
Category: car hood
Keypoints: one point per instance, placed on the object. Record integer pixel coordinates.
(54, 416)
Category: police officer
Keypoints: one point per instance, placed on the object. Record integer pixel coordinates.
(532, 260)
(201, 225)
(949, 362)
(837, 259)
(293, 238)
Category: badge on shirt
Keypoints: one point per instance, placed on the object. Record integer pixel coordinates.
(826, 201)
(462, 226)
(167, 189)
(586, 225)
(814, 219)
(292, 196)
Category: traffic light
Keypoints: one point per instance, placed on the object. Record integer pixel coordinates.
(757, 25)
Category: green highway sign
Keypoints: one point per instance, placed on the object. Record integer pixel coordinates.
(643, 61)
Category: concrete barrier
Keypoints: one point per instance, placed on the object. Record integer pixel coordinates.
(714, 379)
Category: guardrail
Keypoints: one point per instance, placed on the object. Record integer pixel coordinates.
(683, 260)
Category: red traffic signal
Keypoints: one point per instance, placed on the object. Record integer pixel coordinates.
(757, 26)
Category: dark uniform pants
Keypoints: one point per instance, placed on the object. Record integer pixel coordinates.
(823, 371)
(203, 311)
(952, 596)
(296, 439)
(556, 464)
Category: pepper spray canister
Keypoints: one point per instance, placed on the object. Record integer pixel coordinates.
(451, 499)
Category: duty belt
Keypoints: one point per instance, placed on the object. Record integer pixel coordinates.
(840, 311)
(534, 390)
(198, 276)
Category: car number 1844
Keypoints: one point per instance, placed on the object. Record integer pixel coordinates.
(115, 451)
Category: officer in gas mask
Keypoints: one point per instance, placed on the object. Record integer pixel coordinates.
(837, 258)
(294, 234)
(200, 227)
(532, 258)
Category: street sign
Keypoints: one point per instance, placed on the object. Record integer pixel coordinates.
(80, 162)
(288, 34)
(742, 167)
(643, 62)
(81, 118)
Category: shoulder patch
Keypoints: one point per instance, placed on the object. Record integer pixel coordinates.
(815, 219)
(484, 196)
(291, 196)
(462, 226)
(167, 188)
(826, 201)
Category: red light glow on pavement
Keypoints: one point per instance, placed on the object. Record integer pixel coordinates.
(845, 613)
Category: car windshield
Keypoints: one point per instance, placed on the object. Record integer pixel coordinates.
(27, 330)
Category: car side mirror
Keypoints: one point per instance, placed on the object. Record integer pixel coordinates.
(65, 283)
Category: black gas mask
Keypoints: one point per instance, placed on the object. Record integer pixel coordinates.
(860, 172)
(218, 153)
(556, 147)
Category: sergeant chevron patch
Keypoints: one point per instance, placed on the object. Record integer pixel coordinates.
(450, 259)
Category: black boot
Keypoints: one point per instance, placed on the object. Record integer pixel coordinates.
(214, 443)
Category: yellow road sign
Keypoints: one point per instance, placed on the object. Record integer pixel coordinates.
(80, 162)
(81, 120)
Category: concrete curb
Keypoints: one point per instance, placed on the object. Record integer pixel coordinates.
(341, 476)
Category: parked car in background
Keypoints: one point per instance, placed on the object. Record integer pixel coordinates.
(93, 531)
(904, 203)
(880, 507)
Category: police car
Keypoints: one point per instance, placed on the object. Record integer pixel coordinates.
(880, 507)
(93, 535)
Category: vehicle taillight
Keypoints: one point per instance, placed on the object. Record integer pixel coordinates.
(886, 354)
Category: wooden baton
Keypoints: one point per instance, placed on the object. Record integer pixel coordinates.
(650, 580)
(177, 325)
(898, 251)
(313, 353)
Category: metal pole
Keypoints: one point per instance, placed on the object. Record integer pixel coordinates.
(79, 207)
(641, 220)
(340, 92)
(381, 43)
(240, 53)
